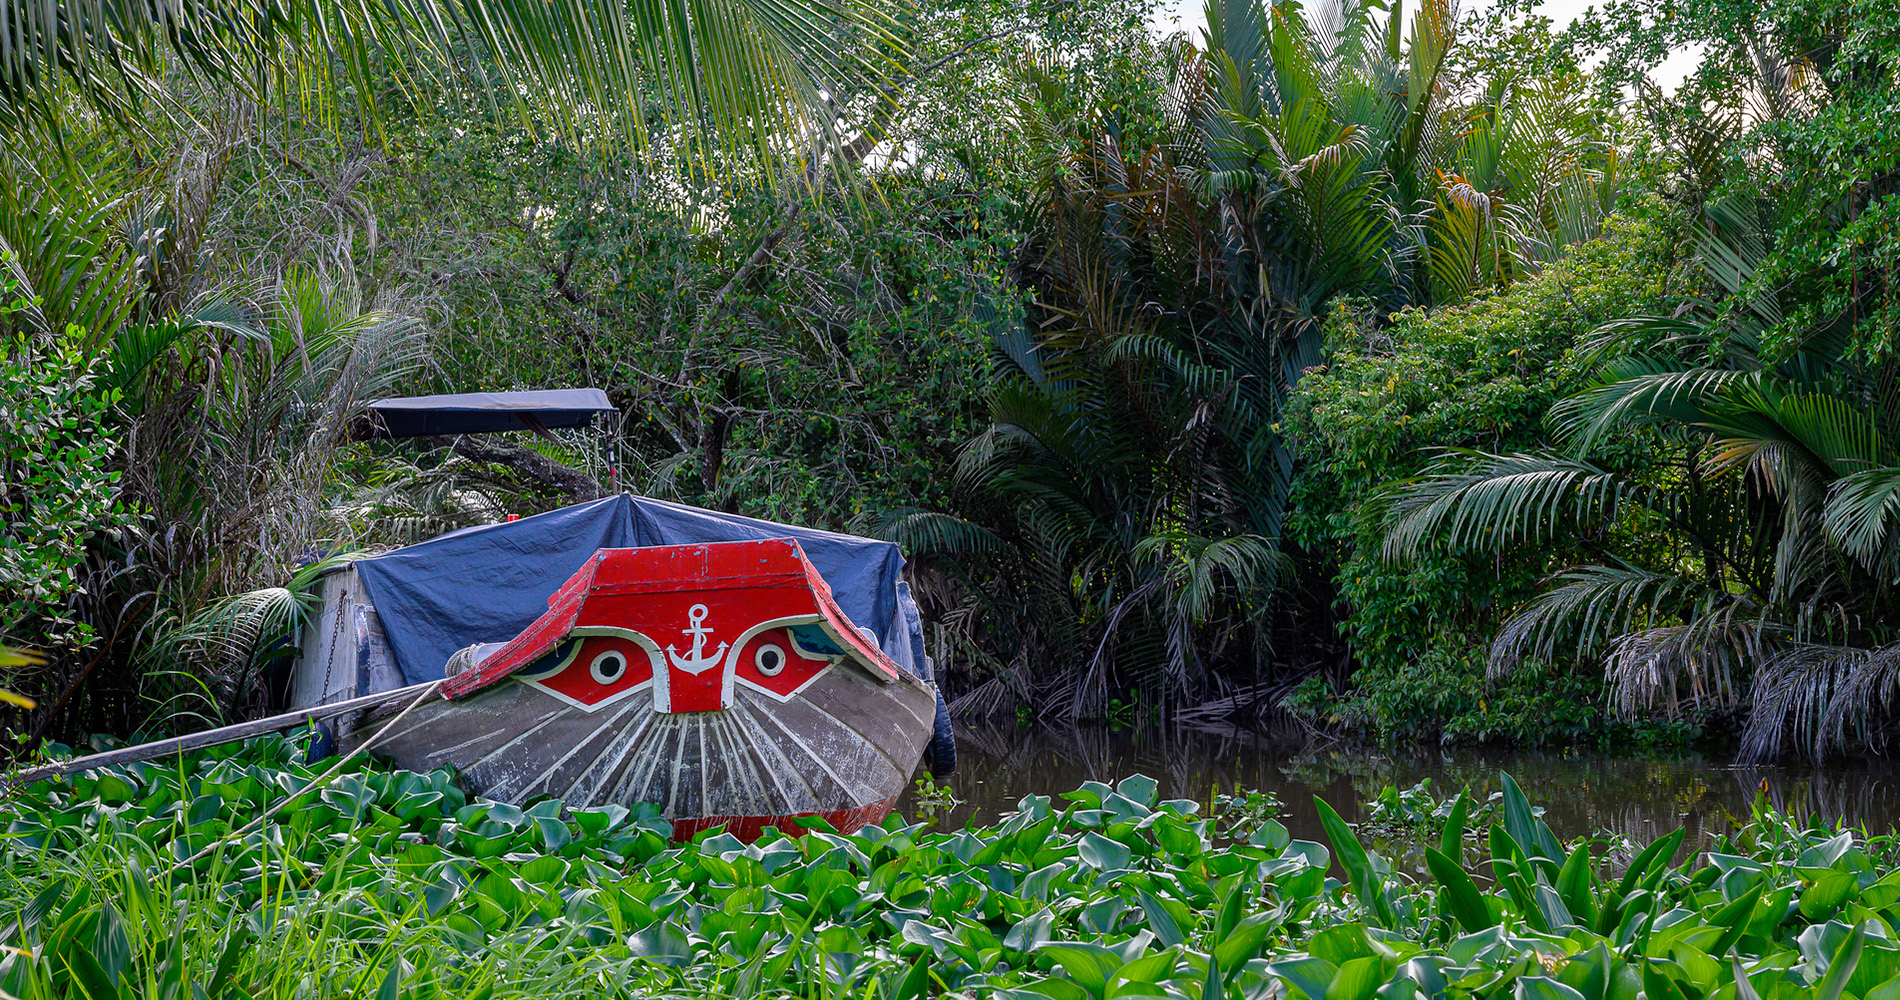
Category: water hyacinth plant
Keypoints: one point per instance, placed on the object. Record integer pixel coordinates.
(142, 880)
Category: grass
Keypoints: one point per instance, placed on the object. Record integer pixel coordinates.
(392, 884)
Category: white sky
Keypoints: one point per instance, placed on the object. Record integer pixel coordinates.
(1176, 15)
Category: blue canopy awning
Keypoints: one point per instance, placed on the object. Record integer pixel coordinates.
(481, 413)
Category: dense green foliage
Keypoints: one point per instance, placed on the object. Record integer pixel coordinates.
(1179, 267)
(1383, 364)
(1718, 500)
(160, 881)
(56, 480)
(1387, 402)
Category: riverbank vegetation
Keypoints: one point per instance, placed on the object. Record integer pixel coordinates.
(1430, 376)
(243, 872)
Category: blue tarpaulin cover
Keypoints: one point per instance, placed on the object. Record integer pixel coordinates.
(486, 584)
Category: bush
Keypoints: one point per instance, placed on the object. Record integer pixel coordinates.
(56, 490)
(1481, 376)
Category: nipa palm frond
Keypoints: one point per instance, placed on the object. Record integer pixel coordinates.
(1473, 500)
(1642, 391)
(923, 532)
(765, 76)
(1704, 661)
(1816, 695)
(1862, 516)
(1589, 608)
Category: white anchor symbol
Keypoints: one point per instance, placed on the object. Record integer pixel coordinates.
(698, 661)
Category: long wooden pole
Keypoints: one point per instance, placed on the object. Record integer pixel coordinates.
(212, 737)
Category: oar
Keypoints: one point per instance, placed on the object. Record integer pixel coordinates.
(213, 737)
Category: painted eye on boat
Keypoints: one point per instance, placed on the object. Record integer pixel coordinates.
(770, 659)
(608, 667)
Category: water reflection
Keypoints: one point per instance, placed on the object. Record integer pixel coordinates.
(1583, 792)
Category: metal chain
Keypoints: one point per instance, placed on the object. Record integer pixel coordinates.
(336, 635)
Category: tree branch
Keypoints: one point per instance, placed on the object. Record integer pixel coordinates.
(526, 462)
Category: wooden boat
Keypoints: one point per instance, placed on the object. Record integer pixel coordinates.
(696, 659)
(720, 681)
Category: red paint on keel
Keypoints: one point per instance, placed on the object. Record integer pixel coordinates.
(748, 828)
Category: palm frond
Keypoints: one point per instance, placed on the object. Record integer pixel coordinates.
(1813, 696)
(1589, 608)
(1473, 500)
(59, 236)
(769, 76)
(923, 532)
(1862, 516)
(1642, 391)
(1703, 662)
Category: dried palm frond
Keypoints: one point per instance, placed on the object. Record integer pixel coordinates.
(1815, 696)
(1589, 609)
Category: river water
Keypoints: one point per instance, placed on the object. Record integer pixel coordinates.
(1583, 792)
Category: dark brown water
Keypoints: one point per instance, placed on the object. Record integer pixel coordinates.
(1582, 792)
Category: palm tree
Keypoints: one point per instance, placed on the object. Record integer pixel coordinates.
(230, 405)
(1743, 510)
(1134, 461)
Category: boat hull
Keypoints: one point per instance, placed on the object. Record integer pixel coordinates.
(842, 750)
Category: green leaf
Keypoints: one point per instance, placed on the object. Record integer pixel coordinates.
(1826, 895)
(1053, 988)
(1139, 788)
(916, 982)
(1231, 908)
(1551, 906)
(1879, 962)
(1507, 856)
(1451, 841)
(1162, 919)
(1574, 882)
(1459, 896)
(1366, 882)
(1146, 969)
(1176, 836)
(1600, 975)
(553, 833)
(1241, 944)
(662, 943)
(236, 944)
(91, 976)
(1665, 847)
(1088, 965)
(1530, 832)
(1525, 901)
(1734, 920)
(1103, 854)
(1841, 967)
(1310, 976)
(110, 944)
(1341, 944)
(1399, 988)
(1031, 931)
(1771, 912)
(1271, 835)
(1657, 986)
(1889, 990)
(1543, 988)
(1358, 979)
